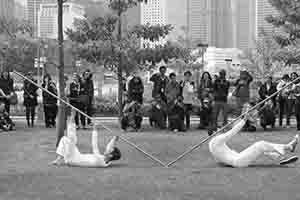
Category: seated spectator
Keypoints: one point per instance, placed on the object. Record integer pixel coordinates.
(6, 123)
(206, 114)
(251, 123)
(267, 115)
(176, 115)
(158, 113)
(132, 117)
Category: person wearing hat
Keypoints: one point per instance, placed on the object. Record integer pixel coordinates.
(30, 99)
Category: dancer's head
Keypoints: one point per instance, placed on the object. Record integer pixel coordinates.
(114, 154)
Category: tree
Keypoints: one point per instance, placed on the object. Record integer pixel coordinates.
(99, 42)
(60, 74)
(289, 24)
(262, 56)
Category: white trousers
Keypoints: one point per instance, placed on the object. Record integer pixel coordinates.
(247, 156)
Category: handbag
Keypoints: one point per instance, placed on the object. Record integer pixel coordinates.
(13, 99)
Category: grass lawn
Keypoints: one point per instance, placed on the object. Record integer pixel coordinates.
(26, 175)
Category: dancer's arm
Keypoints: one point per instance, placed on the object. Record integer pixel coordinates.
(71, 128)
(111, 144)
(235, 129)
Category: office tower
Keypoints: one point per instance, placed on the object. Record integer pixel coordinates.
(197, 20)
(20, 11)
(7, 8)
(47, 18)
(33, 7)
(264, 9)
(153, 13)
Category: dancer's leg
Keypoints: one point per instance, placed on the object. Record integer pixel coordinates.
(249, 155)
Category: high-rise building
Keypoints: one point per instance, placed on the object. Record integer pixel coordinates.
(20, 11)
(220, 24)
(264, 9)
(243, 19)
(197, 20)
(47, 18)
(33, 7)
(153, 13)
(7, 8)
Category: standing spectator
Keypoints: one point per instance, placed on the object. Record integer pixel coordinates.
(175, 110)
(297, 105)
(205, 87)
(73, 95)
(220, 91)
(283, 99)
(291, 98)
(30, 99)
(88, 90)
(242, 90)
(136, 89)
(160, 81)
(267, 89)
(188, 94)
(7, 86)
(50, 102)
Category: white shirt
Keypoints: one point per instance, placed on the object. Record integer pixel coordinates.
(72, 156)
(219, 149)
(188, 93)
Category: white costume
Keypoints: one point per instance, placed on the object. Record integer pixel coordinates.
(222, 153)
(68, 150)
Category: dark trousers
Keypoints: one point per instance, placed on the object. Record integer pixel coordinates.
(218, 107)
(30, 115)
(7, 107)
(187, 115)
(78, 116)
(297, 113)
(50, 111)
(89, 112)
(285, 108)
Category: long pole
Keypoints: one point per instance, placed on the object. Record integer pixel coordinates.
(229, 124)
(106, 128)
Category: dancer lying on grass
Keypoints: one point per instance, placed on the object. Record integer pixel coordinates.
(68, 153)
(222, 153)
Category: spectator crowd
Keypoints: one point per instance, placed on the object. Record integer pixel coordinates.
(173, 101)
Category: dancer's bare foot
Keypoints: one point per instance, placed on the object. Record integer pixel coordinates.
(58, 161)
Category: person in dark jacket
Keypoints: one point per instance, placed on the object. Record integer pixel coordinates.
(88, 89)
(49, 102)
(136, 89)
(30, 99)
(205, 88)
(267, 89)
(220, 93)
(242, 90)
(160, 81)
(74, 92)
(7, 86)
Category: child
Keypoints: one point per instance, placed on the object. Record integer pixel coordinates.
(176, 115)
(267, 115)
(158, 113)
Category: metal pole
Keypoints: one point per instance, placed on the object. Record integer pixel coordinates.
(109, 130)
(224, 127)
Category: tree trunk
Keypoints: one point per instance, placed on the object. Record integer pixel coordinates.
(60, 74)
(120, 71)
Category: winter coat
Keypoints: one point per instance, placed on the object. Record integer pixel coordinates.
(30, 94)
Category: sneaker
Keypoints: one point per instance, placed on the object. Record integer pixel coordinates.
(289, 160)
(294, 143)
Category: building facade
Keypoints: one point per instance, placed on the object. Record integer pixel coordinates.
(264, 9)
(197, 20)
(7, 9)
(47, 18)
(33, 7)
(153, 13)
